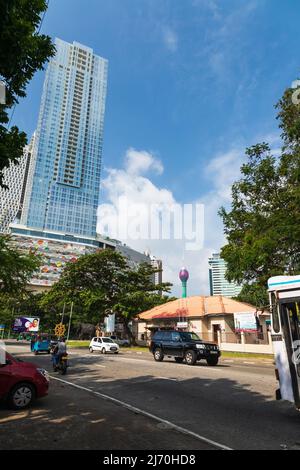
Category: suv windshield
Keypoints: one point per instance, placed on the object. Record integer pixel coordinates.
(189, 336)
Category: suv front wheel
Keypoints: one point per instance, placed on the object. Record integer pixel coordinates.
(190, 357)
(212, 361)
(158, 355)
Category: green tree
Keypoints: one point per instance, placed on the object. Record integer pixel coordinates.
(103, 283)
(263, 225)
(23, 51)
(93, 284)
(25, 303)
(254, 294)
(7, 309)
(139, 294)
(16, 267)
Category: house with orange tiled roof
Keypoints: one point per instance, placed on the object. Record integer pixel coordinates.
(211, 317)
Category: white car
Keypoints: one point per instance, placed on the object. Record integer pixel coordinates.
(104, 345)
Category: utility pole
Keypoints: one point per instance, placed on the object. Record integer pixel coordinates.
(13, 314)
(70, 319)
(63, 314)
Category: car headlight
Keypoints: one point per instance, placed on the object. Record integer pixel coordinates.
(44, 373)
(200, 346)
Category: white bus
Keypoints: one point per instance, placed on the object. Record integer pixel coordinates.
(284, 294)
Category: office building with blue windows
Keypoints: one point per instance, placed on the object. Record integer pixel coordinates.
(218, 283)
(55, 213)
(63, 185)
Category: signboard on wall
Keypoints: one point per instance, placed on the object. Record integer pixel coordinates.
(182, 324)
(245, 322)
(26, 324)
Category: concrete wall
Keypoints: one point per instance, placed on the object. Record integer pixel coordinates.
(227, 339)
(247, 348)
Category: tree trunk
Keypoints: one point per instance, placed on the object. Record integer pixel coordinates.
(129, 334)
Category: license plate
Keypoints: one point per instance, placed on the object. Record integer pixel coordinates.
(113, 349)
(213, 352)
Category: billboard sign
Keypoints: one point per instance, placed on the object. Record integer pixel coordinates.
(26, 324)
(245, 322)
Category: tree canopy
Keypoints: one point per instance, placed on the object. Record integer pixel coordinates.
(23, 51)
(103, 283)
(263, 225)
(16, 267)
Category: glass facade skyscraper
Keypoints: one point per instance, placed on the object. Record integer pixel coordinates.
(62, 190)
(218, 284)
(11, 198)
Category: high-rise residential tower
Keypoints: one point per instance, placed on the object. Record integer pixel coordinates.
(12, 197)
(157, 264)
(51, 206)
(217, 282)
(62, 191)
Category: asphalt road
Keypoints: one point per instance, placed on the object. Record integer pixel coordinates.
(163, 405)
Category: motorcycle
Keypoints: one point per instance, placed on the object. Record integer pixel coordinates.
(62, 365)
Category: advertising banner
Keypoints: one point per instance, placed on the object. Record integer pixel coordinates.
(246, 322)
(26, 324)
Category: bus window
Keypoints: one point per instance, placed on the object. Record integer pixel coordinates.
(275, 314)
(294, 316)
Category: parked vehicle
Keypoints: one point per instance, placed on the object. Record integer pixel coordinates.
(183, 346)
(120, 341)
(22, 382)
(104, 345)
(40, 344)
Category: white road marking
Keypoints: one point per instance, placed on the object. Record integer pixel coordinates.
(166, 378)
(250, 363)
(148, 415)
(99, 365)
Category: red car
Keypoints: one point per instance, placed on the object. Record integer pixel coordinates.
(21, 382)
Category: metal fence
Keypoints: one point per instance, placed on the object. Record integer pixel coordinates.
(143, 339)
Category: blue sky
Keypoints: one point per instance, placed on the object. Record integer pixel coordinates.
(192, 82)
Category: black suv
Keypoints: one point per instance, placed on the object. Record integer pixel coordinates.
(183, 346)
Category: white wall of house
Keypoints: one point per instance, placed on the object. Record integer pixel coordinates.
(227, 339)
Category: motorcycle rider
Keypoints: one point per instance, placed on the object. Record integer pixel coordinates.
(59, 350)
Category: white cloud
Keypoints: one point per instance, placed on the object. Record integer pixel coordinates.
(223, 170)
(211, 5)
(170, 39)
(134, 183)
(141, 162)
